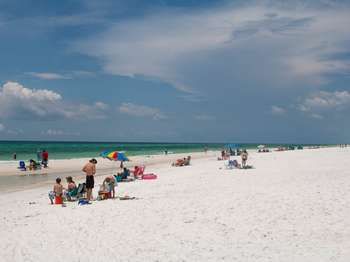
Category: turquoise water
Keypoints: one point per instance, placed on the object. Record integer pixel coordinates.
(26, 150)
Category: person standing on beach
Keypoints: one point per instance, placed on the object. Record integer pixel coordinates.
(45, 158)
(244, 156)
(90, 171)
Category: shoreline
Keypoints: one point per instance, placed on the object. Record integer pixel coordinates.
(12, 179)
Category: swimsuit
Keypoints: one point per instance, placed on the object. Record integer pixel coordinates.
(90, 182)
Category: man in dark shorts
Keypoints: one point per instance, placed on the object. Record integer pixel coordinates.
(90, 171)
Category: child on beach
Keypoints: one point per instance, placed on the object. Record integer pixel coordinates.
(57, 192)
(58, 188)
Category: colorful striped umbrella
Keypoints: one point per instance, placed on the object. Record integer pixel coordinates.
(114, 155)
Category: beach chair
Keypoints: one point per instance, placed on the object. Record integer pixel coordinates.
(22, 165)
(72, 195)
(138, 172)
(232, 164)
(81, 190)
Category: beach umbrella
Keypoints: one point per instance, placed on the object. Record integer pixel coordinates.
(114, 155)
(232, 146)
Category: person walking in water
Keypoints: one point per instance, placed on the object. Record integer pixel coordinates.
(45, 158)
(14, 156)
(90, 170)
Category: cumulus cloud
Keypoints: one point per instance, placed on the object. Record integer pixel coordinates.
(48, 75)
(323, 102)
(277, 110)
(295, 42)
(141, 111)
(19, 102)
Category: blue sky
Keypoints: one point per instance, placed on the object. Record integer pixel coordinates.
(162, 70)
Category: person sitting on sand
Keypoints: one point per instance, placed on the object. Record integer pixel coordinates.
(109, 185)
(137, 171)
(179, 162)
(72, 189)
(32, 164)
(125, 173)
(244, 156)
(103, 191)
(58, 188)
(187, 161)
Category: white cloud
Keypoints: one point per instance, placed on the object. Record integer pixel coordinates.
(323, 102)
(141, 111)
(2, 127)
(58, 132)
(48, 75)
(19, 102)
(304, 43)
(277, 110)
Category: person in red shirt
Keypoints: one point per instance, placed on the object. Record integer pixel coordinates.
(45, 158)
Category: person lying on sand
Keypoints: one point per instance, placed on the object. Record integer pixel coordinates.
(179, 162)
(182, 161)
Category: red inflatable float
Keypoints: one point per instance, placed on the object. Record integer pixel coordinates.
(149, 176)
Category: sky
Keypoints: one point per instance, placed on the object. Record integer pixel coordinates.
(175, 71)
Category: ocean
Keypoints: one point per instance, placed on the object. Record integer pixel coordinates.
(26, 150)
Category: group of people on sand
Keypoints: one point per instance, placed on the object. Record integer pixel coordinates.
(59, 192)
(226, 153)
(106, 190)
(234, 163)
(186, 161)
(71, 191)
(41, 161)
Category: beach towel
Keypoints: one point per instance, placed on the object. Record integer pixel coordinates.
(126, 198)
(82, 202)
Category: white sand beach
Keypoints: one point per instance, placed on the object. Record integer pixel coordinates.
(293, 206)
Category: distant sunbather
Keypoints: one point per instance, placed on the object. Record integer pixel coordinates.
(182, 161)
(187, 161)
